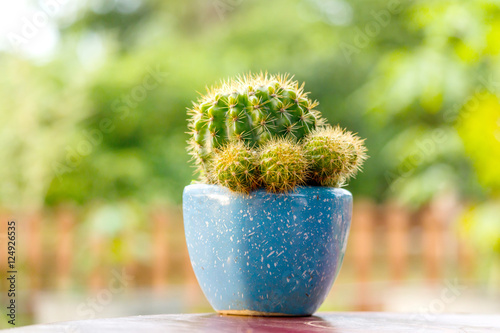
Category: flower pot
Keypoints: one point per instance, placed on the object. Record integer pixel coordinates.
(266, 254)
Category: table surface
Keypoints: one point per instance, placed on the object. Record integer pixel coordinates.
(321, 322)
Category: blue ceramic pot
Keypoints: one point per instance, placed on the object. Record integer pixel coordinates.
(263, 253)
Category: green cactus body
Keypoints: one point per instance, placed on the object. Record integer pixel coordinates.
(262, 131)
(235, 167)
(251, 109)
(282, 165)
(334, 156)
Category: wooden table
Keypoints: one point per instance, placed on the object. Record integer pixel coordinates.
(322, 322)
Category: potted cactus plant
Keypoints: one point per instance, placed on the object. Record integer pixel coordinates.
(267, 222)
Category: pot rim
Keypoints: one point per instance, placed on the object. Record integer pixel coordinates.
(200, 188)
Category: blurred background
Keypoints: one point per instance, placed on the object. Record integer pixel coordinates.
(93, 161)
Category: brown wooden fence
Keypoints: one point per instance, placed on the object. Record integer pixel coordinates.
(388, 242)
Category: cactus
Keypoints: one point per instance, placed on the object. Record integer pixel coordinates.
(261, 130)
(235, 167)
(334, 156)
(282, 165)
(252, 109)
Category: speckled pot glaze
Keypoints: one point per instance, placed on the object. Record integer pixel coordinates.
(264, 253)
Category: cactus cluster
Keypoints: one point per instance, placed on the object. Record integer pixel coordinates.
(263, 131)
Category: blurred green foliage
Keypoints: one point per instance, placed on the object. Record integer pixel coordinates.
(104, 118)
